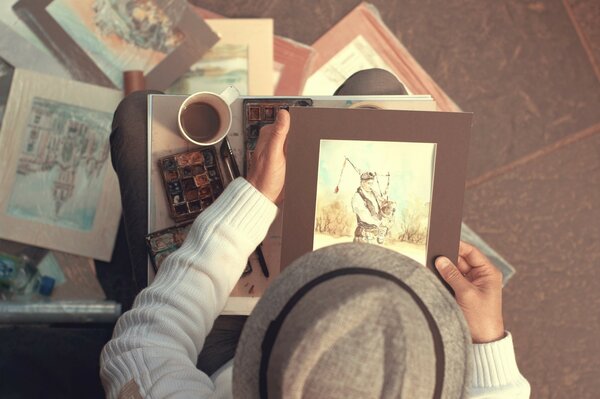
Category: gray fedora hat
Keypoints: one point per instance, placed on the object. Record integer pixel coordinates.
(354, 321)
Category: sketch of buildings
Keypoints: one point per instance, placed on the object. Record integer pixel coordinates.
(61, 165)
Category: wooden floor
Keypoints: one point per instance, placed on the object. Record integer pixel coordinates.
(530, 71)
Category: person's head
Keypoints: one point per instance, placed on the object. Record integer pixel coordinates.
(354, 321)
(366, 181)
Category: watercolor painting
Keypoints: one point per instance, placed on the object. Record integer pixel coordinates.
(222, 66)
(121, 35)
(61, 167)
(375, 192)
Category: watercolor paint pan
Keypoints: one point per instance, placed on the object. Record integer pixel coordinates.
(261, 112)
(192, 182)
(162, 243)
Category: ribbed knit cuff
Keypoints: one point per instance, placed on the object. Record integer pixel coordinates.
(242, 207)
(495, 364)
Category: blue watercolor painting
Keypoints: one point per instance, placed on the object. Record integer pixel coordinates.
(62, 165)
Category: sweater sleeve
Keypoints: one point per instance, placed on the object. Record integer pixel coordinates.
(495, 371)
(155, 345)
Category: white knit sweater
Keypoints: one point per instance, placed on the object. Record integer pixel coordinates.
(155, 345)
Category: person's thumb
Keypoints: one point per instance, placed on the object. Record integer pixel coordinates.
(451, 274)
(279, 129)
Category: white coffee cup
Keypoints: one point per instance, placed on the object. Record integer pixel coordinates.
(204, 118)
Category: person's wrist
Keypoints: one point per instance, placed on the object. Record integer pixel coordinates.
(260, 187)
(494, 332)
(489, 340)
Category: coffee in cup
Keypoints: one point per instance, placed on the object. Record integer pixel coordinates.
(205, 118)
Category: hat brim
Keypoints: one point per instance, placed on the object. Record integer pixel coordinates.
(442, 306)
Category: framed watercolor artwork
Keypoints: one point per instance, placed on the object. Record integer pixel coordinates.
(383, 177)
(291, 59)
(58, 189)
(242, 58)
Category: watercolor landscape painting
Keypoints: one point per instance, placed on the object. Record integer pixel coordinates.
(222, 66)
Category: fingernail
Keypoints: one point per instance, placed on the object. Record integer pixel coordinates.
(442, 262)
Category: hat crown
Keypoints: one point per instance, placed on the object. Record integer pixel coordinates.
(452, 360)
(347, 337)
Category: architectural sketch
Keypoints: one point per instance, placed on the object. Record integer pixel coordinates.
(61, 166)
(374, 192)
(223, 65)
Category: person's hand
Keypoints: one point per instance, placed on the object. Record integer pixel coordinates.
(268, 163)
(477, 285)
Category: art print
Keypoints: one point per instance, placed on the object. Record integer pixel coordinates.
(363, 197)
(260, 48)
(62, 162)
(121, 35)
(224, 65)
(58, 189)
(375, 177)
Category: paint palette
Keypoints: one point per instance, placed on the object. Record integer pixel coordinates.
(192, 182)
(163, 243)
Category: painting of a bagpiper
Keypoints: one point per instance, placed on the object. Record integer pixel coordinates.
(375, 193)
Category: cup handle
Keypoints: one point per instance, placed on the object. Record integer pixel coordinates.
(230, 94)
